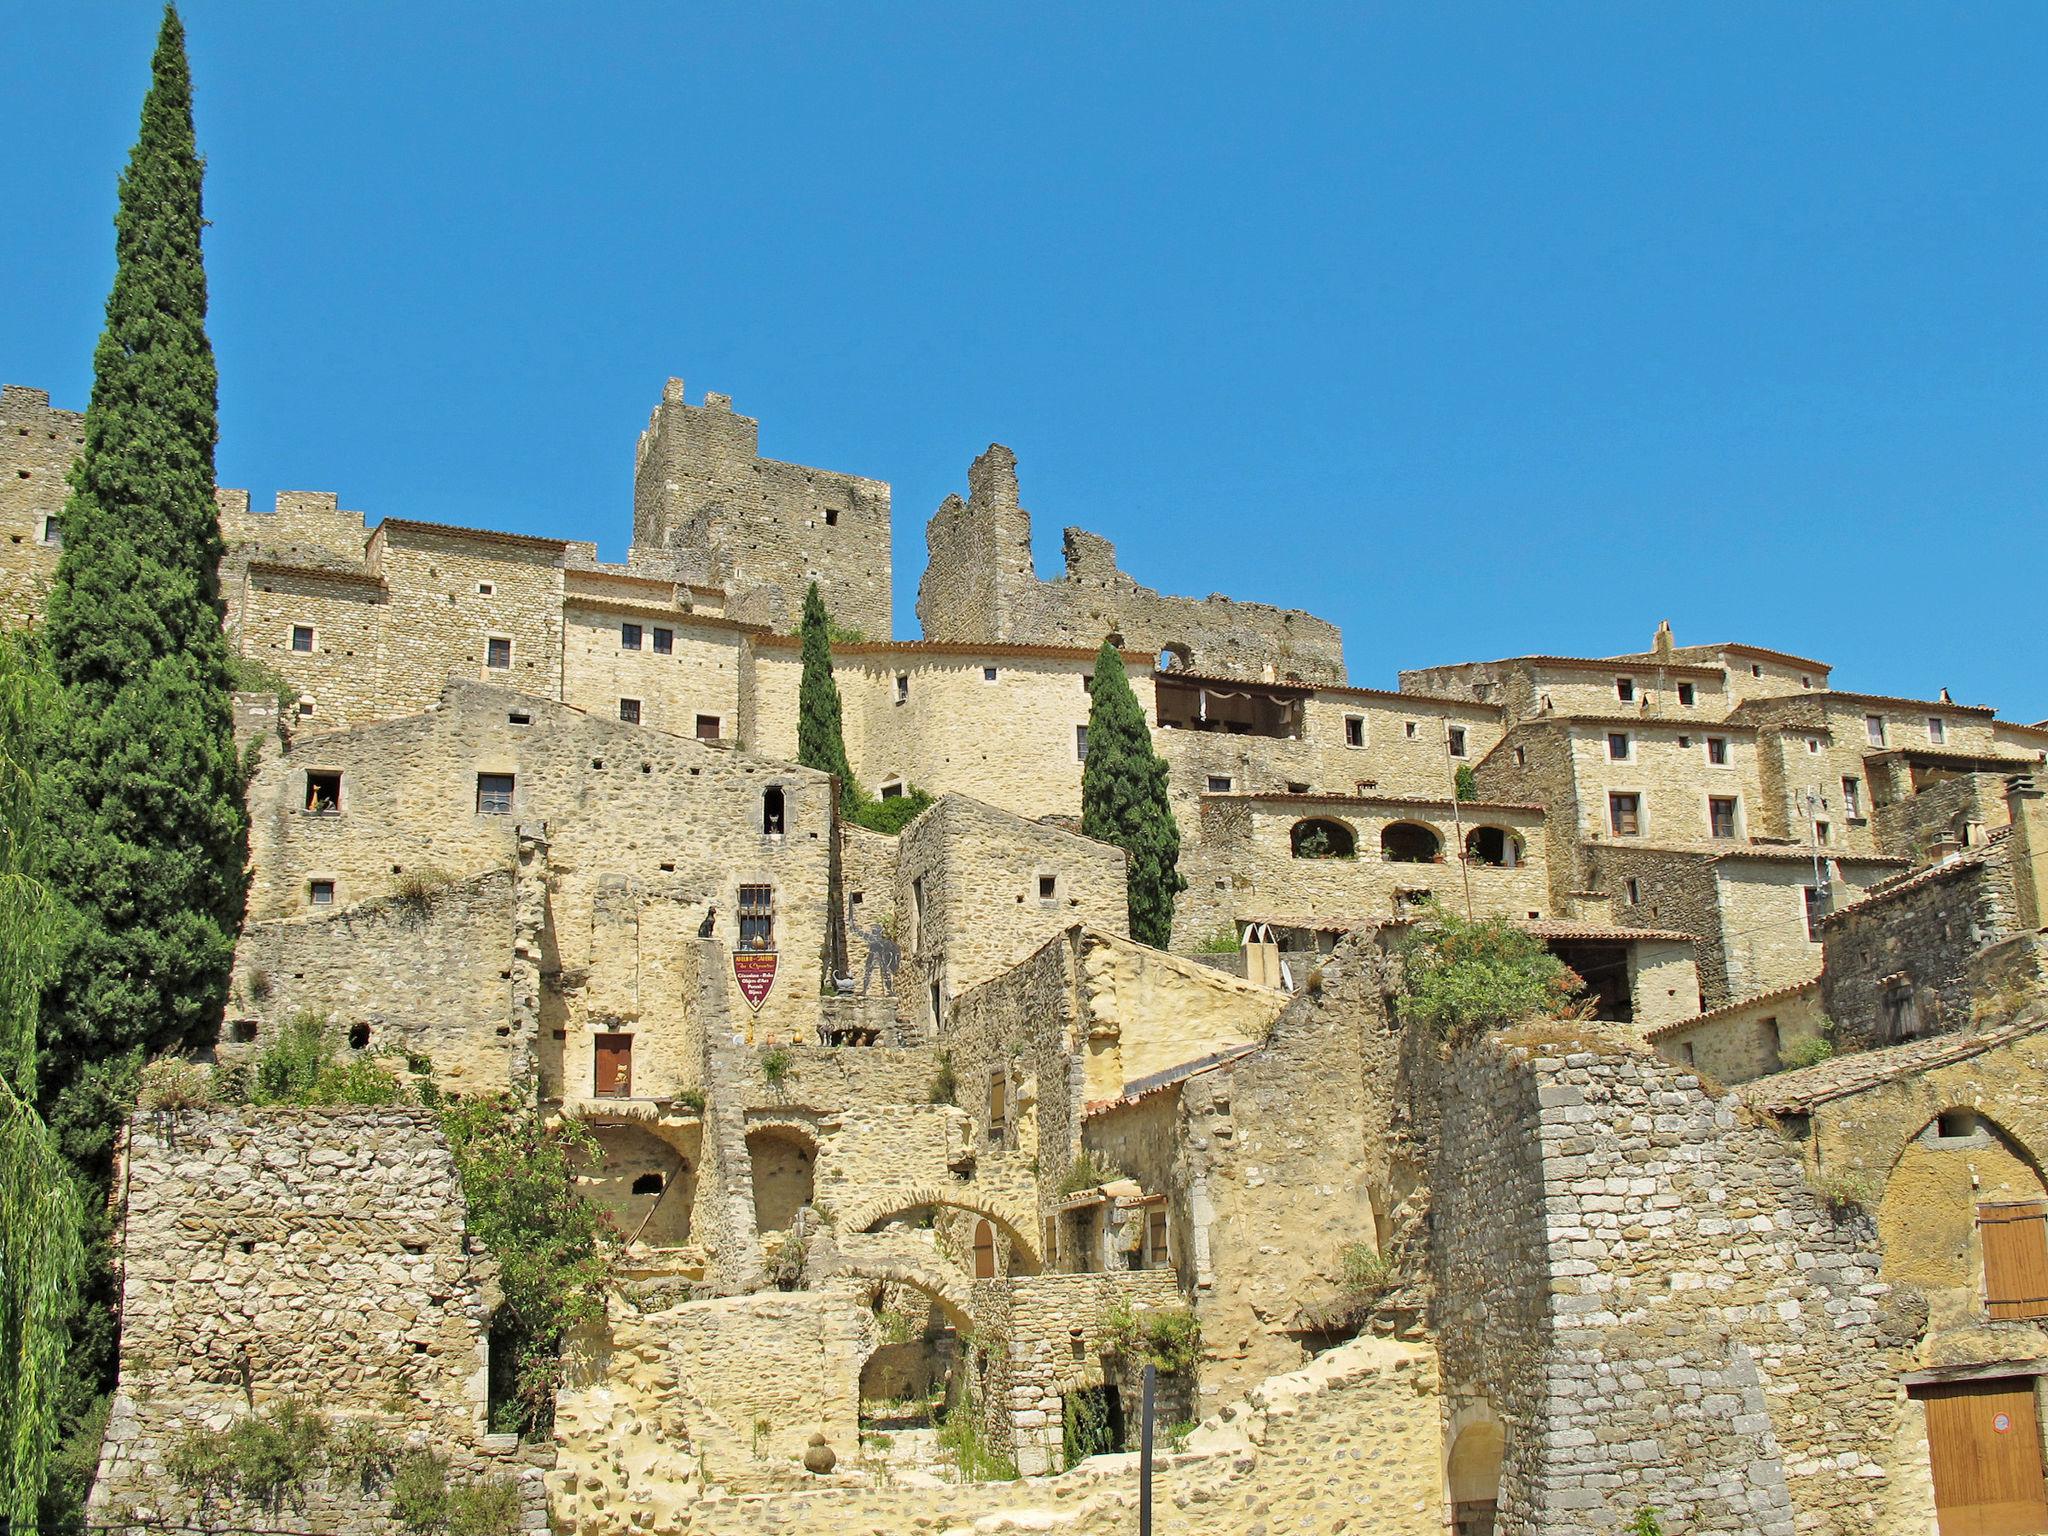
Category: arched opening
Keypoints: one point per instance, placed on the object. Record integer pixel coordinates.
(1494, 845)
(645, 1184)
(1938, 1217)
(771, 811)
(907, 1378)
(1408, 842)
(1014, 1255)
(1474, 1477)
(1321, 838)
(1175, 657)
(984, 1250)
(784, 1165)
(359, 1037)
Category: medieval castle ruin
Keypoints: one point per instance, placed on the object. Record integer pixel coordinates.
(890, 1122)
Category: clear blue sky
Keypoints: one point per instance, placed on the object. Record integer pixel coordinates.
(1476, 329)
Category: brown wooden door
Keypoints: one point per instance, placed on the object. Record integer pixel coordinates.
(614, 1066)
(1985, 1447)
(984, 1251)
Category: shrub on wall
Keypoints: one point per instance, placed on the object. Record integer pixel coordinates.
(1462, 977)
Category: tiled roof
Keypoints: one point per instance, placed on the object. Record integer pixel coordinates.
(1403, 696)
(1947, 755)
(1786, 1093)
(487, 535)
(1157, 1082)
(1737, 648)
(1700, 726)
(1728, 1010)
(1715, 851)
(1930, 705)
(680, 617)
(1582, 664)
(1234, 680)
(1957, 863)
(336, 571)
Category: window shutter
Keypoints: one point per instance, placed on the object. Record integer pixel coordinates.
(2015, 1258)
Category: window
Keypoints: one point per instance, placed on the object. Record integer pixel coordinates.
(323, 793)
(1822, 832)
(1687, 1051)
(1816, 909)
(1354, 730)
(902, 687)
(988, 674)
(1755, 669)
(917, 902)
(494, 794)
(629, 711)
(1873, 727)
(1048, 887)
(1634, 890)
(1955, 1124)
(1625, 814)
(305, 706)
(998, 1105)
(612, 1067)
(1156, 1254)
(1685, 694)
(1685, 742)
(1625, 689)
(664, 642)
(1457, 739)
(485, 589)
(757, 917)
(1813, 743)
(707, 727)
(1220, 783)
(1721, 815)
(1937, 730)
(1768, 1036)
(629, 637)
(1852, 796)
(302, 638)
(892, 790)
(53, 534)
(772, 810)
(498, 653)
(1081, 743)
(2015, 1242)
(1521, 757)
(1617, 746)
(647, 1184)
(1408, 729)
(1717, 751)
(320, 893)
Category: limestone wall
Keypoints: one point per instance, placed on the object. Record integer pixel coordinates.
(691, 688)
(1144, 1012)
(36, 448)
(308, 1253)
(1967, 807)
(1748, 1039)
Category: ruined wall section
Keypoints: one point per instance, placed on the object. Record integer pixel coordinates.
(980, 584)
(37, 445)
(309, 1253)
(761, 528)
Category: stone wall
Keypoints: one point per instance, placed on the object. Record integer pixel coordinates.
(1965, 807)
(979, 584)
(1745, 1040)
(765, 529)
(316, 1254)
(1144, 1012)
(37, 445)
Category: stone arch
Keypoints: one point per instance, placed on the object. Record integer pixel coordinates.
(1927, 1208)
(1410, 842)
(1472, 1472)
(870, 1214)
(1494, 845)
(784, 1159)
(1322, 837)
(1175, 657)
(947, 1292)
(644, 1182)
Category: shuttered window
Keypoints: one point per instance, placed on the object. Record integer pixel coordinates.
(2015, 1240)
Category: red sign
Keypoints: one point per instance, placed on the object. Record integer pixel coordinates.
(754, 969)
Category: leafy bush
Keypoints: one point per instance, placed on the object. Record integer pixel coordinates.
(1462, 978)
(1644, 1523)
(945, 1087)
(1845, 1193)
(1810, 1052)
(1224, 941)
(1084, 1426)
(303, 1065)
(1363, 1271)
(1467, 783)
(891, 815)
(974, 1459)
(171, 1084)
(1087, 1171)
(692, 1099)
(267, 1457)
(553, 1244)
(1169, 1337)
(362, 1454)
(419, 1491)
(417, 890)
(248, 675)
(777, 1062)
(487, 1507)
(1176, 1435)
(199, 1462)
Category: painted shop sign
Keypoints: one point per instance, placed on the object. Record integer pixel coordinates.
(754, 970)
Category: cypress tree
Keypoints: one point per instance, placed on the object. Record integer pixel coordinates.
(820, 735)
(147, 831)
(1123, 799)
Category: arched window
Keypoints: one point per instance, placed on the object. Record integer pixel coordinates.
(1321, 838)
(1408, 842)
(771, 810)
(1175, 657)
(1493, 845)
(984, 1251)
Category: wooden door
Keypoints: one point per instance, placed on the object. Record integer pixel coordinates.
(614, 1066)
(1985, 1447)
(984, 1251)
(2015, 1257)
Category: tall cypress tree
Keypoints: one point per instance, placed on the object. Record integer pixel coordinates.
(1123, 799)
(144, 819)
(820, 735)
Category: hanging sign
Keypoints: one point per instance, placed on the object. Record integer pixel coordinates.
(754, 970)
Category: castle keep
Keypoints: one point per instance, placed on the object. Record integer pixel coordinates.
(896, 1126)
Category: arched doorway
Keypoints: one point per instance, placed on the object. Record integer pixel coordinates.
(984, 1250)
(1473, 1476)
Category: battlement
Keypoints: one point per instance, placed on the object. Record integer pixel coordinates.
(294, 519)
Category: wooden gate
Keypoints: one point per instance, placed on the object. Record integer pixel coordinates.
(614, 1067)
(1985, 1446)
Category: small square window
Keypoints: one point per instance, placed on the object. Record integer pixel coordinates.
(305, 707)
(902, 687)
(1457, 739)
(629, 711)
(1954, 1124)
(323, 792)
(1756, 669)
(1625, 814)
(498, 653)
(1717, 750)
(831, 517)
(1685, 695)
(302, 638)
(53, 534)
(320, 893)
(1220, 783)
(1354, 730)
(708, 727)
(1684, 741)
(988, 674)
(1617, 746)
(1081, 743)
(494, 794)
(1408, 729)
(664, 642)
(1625, 689)
(1048, 887)
(486, 588)
(629, 637)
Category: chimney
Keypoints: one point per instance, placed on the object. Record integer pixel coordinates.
(1941, 849)
(1662, 643)
(2028, 804)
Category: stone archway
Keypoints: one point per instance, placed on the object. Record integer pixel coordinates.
(1012, 1232)
(1472, 1477)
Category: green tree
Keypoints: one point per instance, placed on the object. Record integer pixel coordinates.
(820, 736)
(42, 1253)
(1467, 782)
(1462, 978)
(1123, 799)
(148, 835)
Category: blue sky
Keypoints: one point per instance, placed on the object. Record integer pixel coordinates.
(1478, 330)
